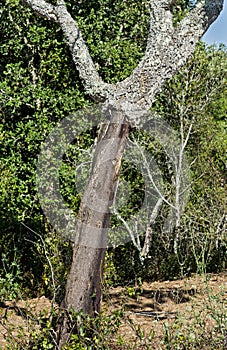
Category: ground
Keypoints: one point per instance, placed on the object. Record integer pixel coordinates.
(190, 306)
(154, 314)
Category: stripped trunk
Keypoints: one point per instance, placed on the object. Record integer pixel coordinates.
(83, 290)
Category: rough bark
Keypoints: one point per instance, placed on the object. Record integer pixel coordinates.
(168, 48)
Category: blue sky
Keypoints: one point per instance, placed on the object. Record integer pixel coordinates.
(217, 33)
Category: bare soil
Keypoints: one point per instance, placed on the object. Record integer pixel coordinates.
(198, 302)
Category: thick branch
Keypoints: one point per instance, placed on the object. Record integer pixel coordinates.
(193, 26)
(140, 88)
(93, 83)
(168, 48)
(161, 24)
(198, 20)
(42, 8)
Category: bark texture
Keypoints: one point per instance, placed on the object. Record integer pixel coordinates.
(168, 48)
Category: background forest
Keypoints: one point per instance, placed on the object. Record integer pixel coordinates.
(39, 86)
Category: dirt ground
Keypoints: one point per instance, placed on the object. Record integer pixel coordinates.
(153, 307)
(190, 302)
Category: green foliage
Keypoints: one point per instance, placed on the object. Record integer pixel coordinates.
(116, 33)
(198, 95)
(94, 333)
(10, 280)
(199, 334)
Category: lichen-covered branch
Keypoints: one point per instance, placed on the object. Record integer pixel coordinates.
(92, 81)
(168, 48)
(194, 25)
(161, 23)
(200, 17)
(42, 8)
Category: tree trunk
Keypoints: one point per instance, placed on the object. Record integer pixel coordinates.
(168, 48)
(83, 290)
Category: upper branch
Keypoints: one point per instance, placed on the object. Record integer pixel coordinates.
(198, 20)
(160, 23)
(168, 47)
(92, 82)
(42, 8)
